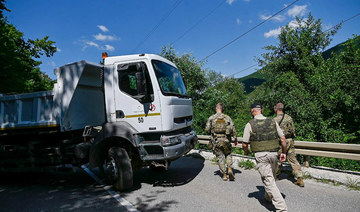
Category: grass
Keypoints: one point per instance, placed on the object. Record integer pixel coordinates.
(350, 184)
(214, 161)
(246, 164)
(353, 184)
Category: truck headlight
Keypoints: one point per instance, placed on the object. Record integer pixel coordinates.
(169, 141)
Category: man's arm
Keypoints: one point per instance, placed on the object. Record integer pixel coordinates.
(233, 132)
(245, 147)
(283, 142)
(246, 137)
(283, 148)
(208, 126)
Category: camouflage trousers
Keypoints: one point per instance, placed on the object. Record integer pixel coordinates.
(224, 159)
(291, 159)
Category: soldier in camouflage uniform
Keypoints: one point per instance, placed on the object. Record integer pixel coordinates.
(222, 131)
(287, 125)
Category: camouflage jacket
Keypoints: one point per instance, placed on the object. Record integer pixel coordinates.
(230, 128)
(287, 125)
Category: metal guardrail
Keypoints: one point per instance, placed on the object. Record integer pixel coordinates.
(307, 148)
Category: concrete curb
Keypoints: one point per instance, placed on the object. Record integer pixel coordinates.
(316, 172)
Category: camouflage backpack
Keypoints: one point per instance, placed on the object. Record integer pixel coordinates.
(219, 125)
(287, 126)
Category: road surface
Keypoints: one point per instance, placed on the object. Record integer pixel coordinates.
(190, 184)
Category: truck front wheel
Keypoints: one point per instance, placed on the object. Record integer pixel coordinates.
(118, 169)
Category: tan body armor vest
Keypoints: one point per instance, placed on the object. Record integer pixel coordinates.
(264, 136)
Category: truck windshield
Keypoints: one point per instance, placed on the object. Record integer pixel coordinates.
(169, 79)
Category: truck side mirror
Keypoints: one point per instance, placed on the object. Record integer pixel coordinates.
(141, 84)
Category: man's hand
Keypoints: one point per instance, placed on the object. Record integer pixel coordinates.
(245, 148)
(282, 157)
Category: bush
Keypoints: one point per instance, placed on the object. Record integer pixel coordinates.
(246, 164)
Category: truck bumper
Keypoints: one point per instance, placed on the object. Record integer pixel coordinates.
(186, 142)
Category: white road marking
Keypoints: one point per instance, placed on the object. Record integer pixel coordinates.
(113, 193)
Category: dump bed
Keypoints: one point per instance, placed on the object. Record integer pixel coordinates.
(77, 100)
(27, 110)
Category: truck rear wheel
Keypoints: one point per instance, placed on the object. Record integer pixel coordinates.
(118, 169)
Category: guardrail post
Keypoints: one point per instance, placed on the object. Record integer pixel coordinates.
(306, 161)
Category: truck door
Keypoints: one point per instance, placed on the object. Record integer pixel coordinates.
(135, 100)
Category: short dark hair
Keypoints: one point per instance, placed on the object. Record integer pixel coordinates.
(256, 105)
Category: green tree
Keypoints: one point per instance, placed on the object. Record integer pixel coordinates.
(290, 67)
(321, 95)
(191, 71)
(19, 71)
(336, 84)
(207, 88)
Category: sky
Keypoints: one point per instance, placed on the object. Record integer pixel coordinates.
(83, 29)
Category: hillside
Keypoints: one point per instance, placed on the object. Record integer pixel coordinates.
(255, 79)
(251, 81)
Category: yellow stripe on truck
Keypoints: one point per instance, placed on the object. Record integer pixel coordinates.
(142, 115)
(30, 127)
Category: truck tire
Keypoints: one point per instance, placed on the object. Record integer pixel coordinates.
(118, 169)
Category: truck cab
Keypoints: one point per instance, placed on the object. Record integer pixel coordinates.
(146, 93)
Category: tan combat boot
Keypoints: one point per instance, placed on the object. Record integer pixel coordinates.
(224, 177)
(300, 182)
(231, 174)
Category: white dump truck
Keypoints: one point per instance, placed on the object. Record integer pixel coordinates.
(132, 111)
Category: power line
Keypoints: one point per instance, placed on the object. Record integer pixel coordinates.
(176, 4)
(248, 31)
(354, 16)
(198, 22)
(243, 70)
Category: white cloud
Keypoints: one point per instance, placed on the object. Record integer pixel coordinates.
(91, 43)
(297, 10)
(86, 44)
(250, 21)
(103, 37)
(52, 64)
(238, 21)
(278, 18)
(230, 1)
(58, 49)
(273, 33)
(294, 24)
(103, 28)
(226, 61)
(109, 48)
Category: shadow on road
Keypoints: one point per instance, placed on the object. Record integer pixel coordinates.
(181, 171)
(143, 203)
(260, 196)
(236, 171)
(53, 191)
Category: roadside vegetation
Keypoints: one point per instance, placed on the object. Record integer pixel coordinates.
(322, 94)
(246, 164)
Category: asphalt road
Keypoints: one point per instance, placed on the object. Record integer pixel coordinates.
(190, 184)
